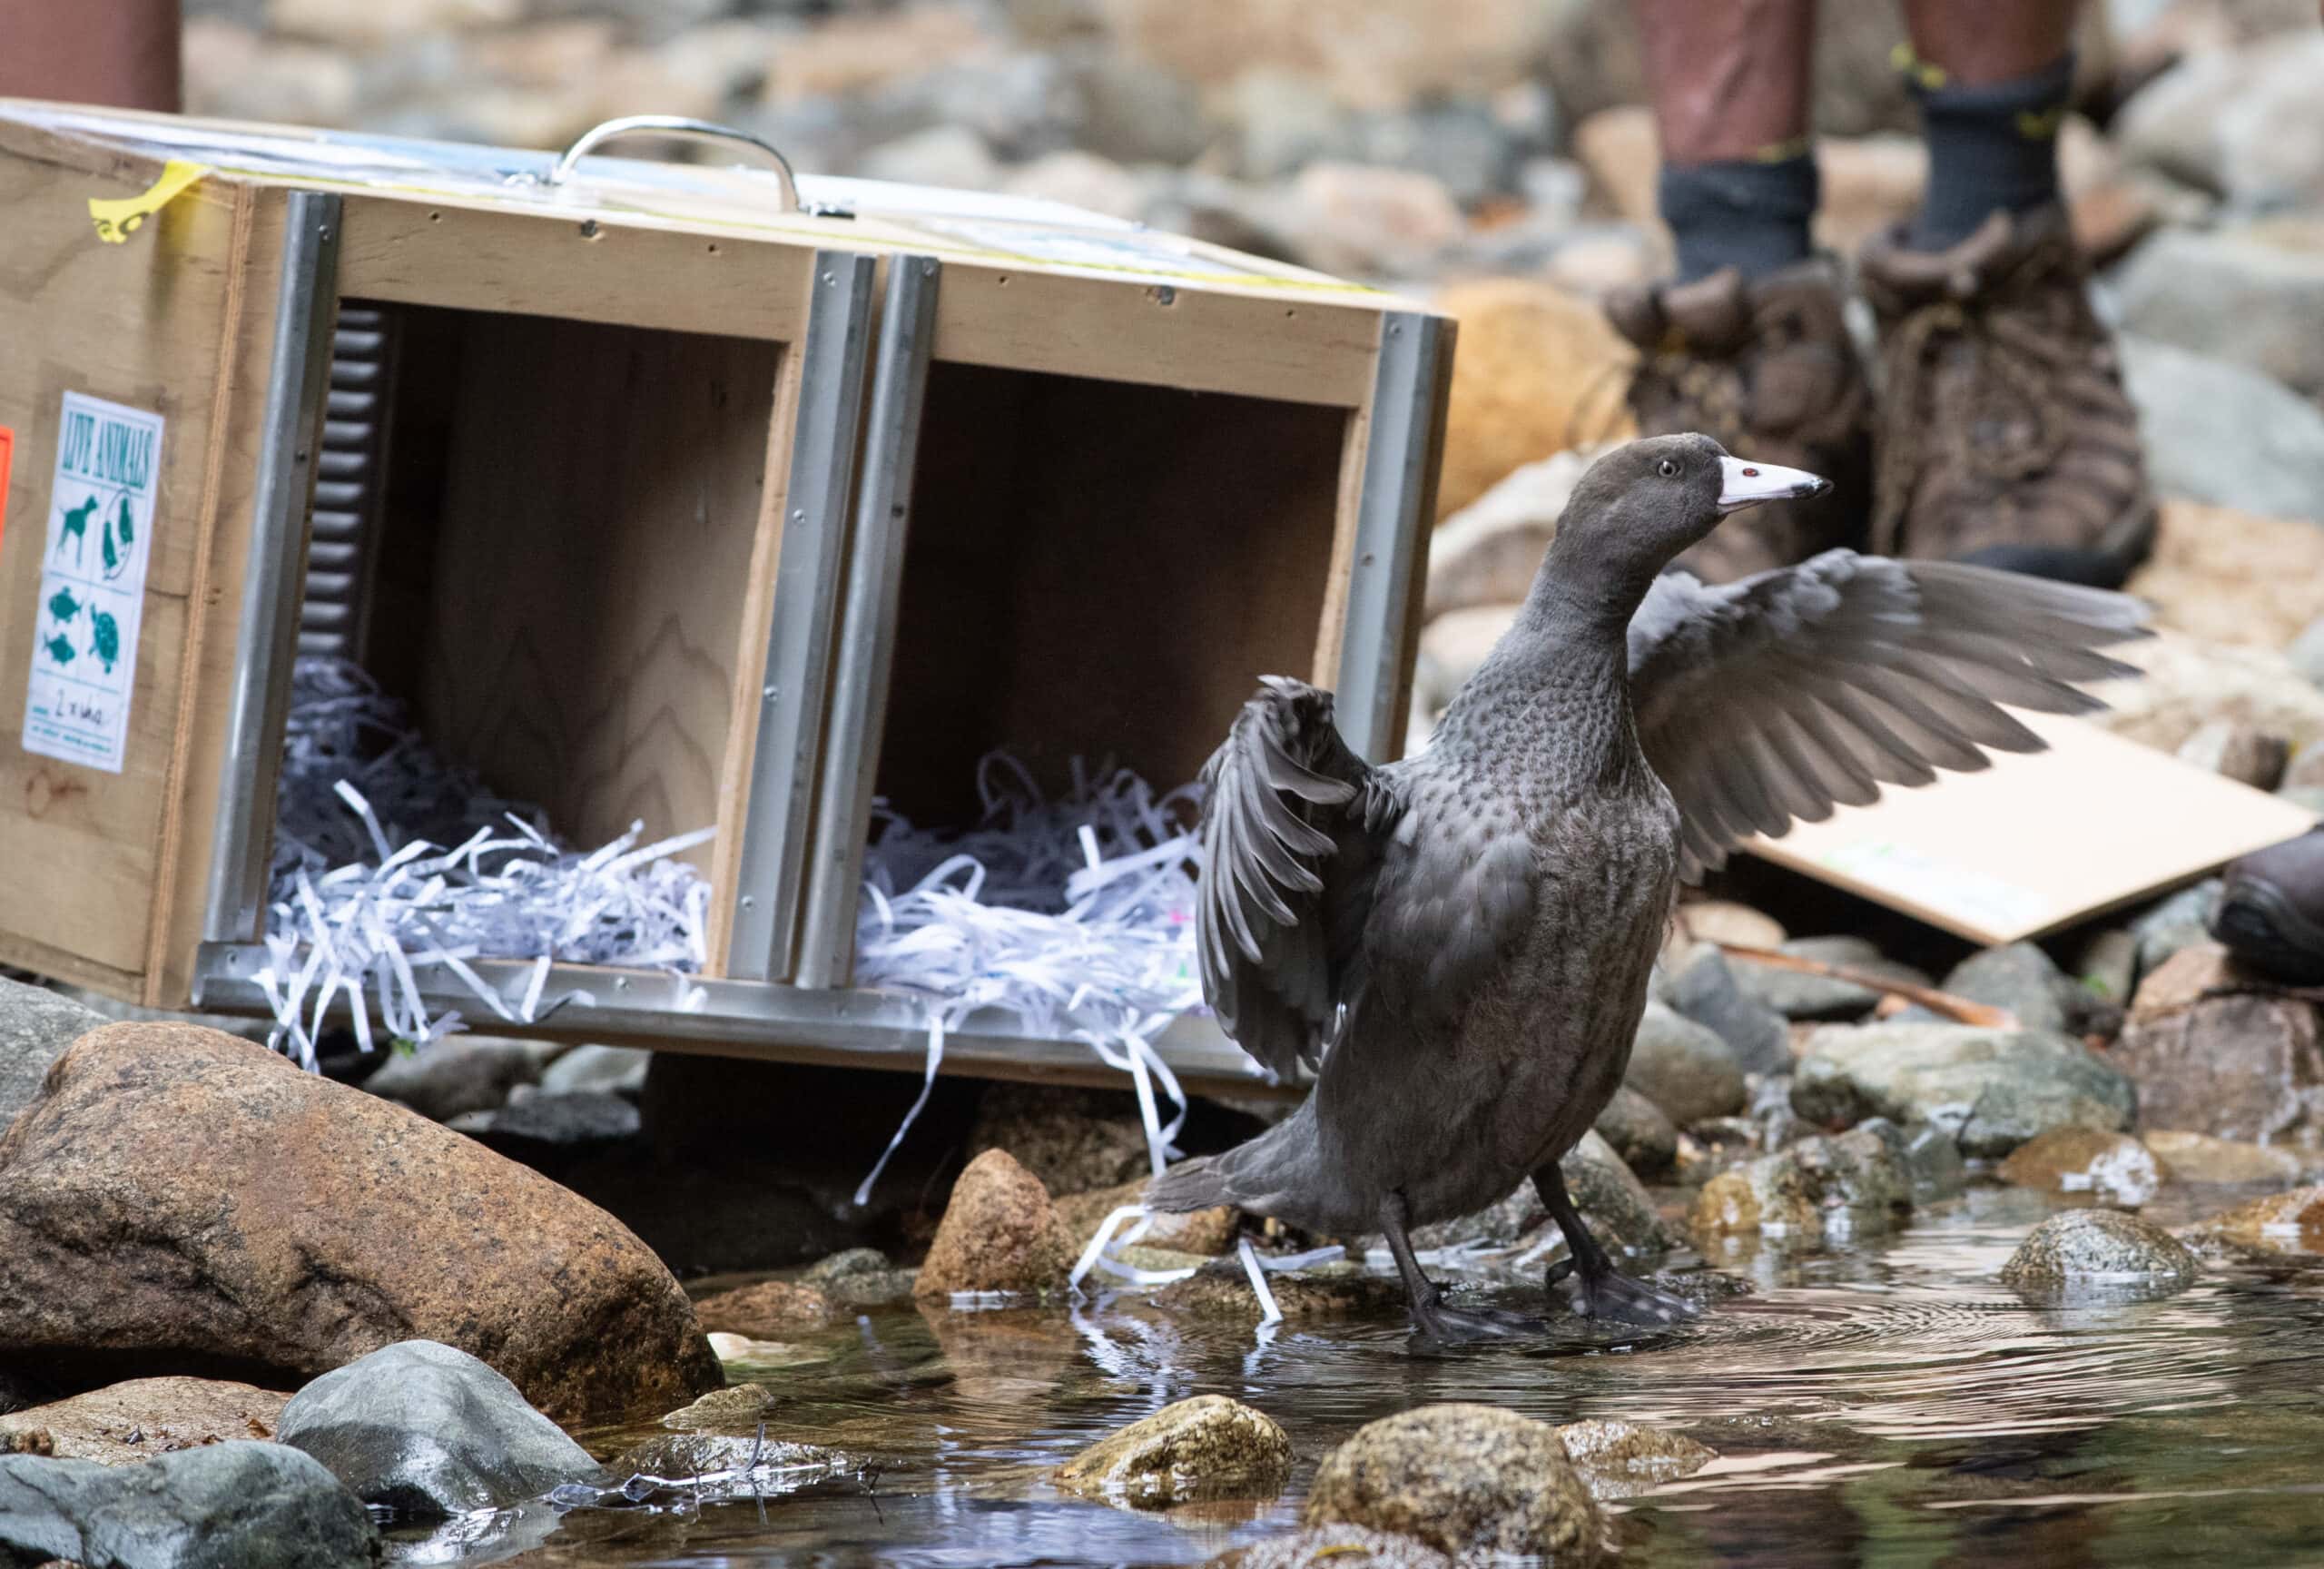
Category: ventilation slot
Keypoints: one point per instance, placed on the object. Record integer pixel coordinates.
(347, 484)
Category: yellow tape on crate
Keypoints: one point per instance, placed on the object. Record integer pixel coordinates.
(117, 220)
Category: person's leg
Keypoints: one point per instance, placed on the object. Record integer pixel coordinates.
(1747, 343)
(1993, 77)
(1730, 84)
(2006, 436)
(122, 54)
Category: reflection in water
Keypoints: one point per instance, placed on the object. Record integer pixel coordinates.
(1888, 1404)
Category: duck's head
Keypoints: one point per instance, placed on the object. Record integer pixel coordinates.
(1644, 502)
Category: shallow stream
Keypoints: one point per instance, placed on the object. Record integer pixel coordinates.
(1886, 1403)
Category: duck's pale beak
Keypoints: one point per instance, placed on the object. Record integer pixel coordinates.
(1744, 483)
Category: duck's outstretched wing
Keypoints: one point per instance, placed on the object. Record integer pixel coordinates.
(1777, 697)
(1292, 823)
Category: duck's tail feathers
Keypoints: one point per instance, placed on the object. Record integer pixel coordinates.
(1195, 1184)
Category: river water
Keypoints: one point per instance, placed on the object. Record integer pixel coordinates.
(1886, 1403)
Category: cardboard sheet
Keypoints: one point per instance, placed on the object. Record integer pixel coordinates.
(2041, 840)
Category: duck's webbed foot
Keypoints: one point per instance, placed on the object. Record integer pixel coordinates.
(1601, 1291)
(1433, 1317)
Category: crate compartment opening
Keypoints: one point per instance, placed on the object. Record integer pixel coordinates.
(529, 597)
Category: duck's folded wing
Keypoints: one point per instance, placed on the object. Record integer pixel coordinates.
(1291, 824)
(1775, 699)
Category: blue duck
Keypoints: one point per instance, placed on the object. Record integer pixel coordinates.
(1461, 940)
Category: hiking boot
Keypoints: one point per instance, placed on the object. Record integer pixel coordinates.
(1765, 368)
(2004, 436)
(2270, 914)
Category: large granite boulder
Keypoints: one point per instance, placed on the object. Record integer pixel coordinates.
(179, 1196)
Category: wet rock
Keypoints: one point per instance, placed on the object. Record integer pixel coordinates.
(1203, 1231)
(1797, 994)
(2215, 431)
(1074, 1140)
(1703, 988)
(144, 1417)
(1498, 1225)
(1621, 1459)
(179, 1194)
(1992, 1090)
(1464, 1479)
(1208, 1447)
(2098, 1248)
(606, 1069)
(1343, 1290)
(764, 1310)
(458, 1073)
(2021, 978)
(2291, 1222)
(1637, 1131)
(2239, 751)
(2112, 1168)
(1614, 1204)
(999, 1233)
(2178, 923)
(2199, 1157)
(35, 1027)
(859, 1278)
(2228, 294)
(253, 1506)
(1816, 1188)
(430, 1432)
(738, 1408)
(1336, 1546)
(1932, 1159)
(2243, 1066)
(1684, 1068)
(1539, 371)
(1488, 552)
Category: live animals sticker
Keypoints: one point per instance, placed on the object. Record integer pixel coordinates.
(93, 583)
(7, 456)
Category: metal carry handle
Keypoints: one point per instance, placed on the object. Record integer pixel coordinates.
(678, 126)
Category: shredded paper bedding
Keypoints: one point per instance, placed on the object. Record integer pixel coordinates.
(1071, 918)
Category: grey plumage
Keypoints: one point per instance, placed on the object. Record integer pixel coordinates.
(1461, 940)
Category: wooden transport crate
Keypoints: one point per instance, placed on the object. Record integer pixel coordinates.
(663, 497)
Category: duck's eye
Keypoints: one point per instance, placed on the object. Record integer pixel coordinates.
(1668, 468)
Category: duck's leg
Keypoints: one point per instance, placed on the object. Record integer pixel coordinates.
(1602, 1292)
(1431, 1315)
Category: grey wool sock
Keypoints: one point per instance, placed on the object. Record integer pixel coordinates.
(1749, 213)
(1991, 148)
